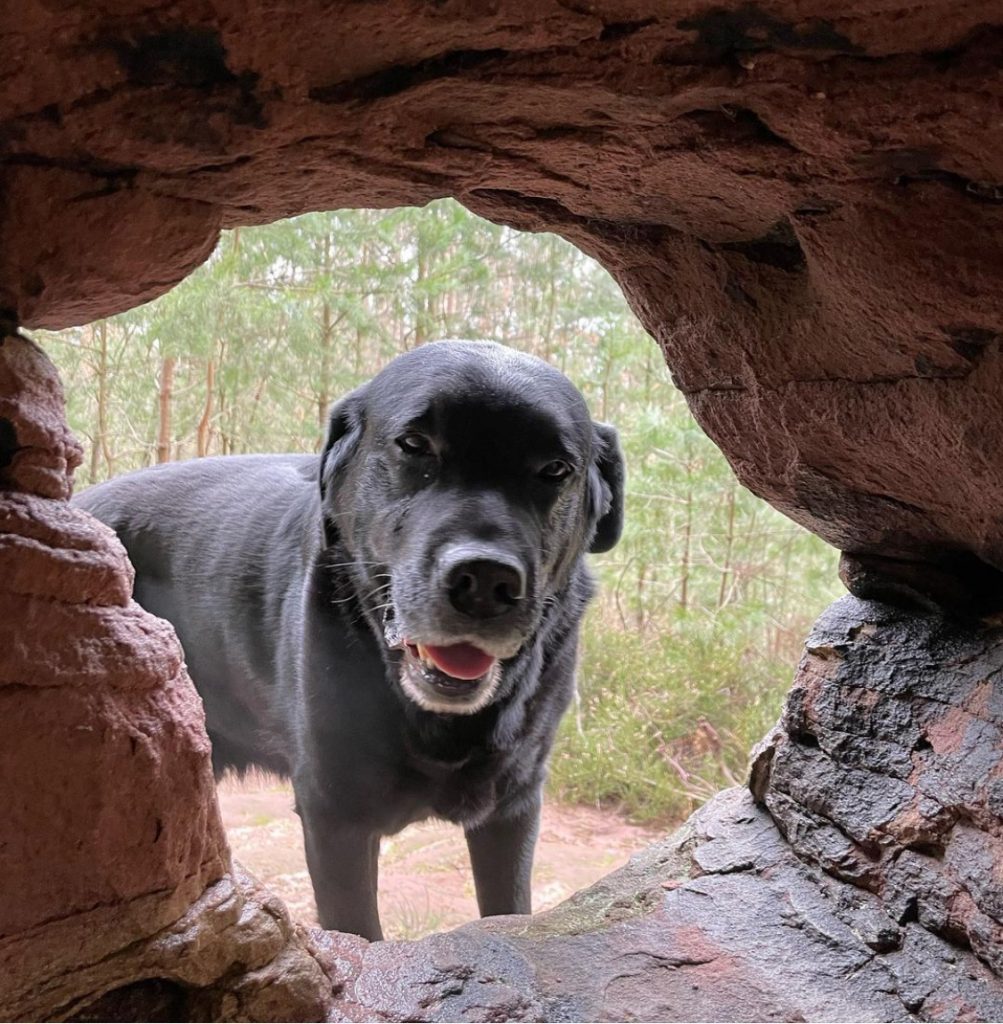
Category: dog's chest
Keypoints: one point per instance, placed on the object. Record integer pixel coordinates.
(463, 790)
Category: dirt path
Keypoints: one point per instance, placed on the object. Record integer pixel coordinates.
(425, 882)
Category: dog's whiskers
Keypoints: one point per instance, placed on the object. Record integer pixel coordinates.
(362, 599)
(350, 565)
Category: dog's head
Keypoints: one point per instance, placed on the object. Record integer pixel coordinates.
(465, 481)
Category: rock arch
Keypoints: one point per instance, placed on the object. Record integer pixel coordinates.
(803, 208)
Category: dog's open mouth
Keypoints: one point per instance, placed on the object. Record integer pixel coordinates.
(455, 678)
(454, 667)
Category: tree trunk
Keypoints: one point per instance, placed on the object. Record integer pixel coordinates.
(422, 327)
(326, 335)
(204, 433)
(99, 443)
(729, 545)
(222, 405)
(164, 398)
(684, 568)
(607, 373)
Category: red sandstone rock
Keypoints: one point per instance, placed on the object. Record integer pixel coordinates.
(107, 800)
(802, 203)
(111, 846)
(49, 550)
(37, 451)
(76, 241)
(886, 770)
(232, 955)
(719, 922)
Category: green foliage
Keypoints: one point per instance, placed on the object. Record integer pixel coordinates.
(705, 601)
(665, 718)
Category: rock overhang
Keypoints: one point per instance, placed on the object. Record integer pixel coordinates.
(803, 206)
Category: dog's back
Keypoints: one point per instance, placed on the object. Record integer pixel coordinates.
(210, 542)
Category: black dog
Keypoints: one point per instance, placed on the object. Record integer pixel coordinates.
(394, 623)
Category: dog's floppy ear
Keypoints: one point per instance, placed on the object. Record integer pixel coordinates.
(606, 481)
(344, 431)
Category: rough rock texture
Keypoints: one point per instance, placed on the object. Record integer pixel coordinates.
(233, 955)
(802, 201)
(887, 770)
(113, 863)
(804, 204)
(38, 454)
(868, 888)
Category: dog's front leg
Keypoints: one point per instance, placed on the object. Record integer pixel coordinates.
(501, 854)
(343, 859)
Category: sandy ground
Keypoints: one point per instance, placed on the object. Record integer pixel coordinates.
(425, 881)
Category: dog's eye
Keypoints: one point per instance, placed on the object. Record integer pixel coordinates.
(413, 443)
(555, 471)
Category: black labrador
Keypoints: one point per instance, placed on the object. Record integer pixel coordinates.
(393, 623)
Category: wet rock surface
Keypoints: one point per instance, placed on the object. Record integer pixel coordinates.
(804, 206)
(722, 921)
(864, 886)
(888, 767)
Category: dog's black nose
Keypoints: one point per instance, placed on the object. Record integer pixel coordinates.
(484, 589)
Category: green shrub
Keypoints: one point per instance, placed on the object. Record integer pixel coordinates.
(665, 718)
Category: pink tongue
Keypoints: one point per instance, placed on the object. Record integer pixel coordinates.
(461, 661)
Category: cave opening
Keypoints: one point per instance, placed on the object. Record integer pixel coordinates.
(687, 650)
